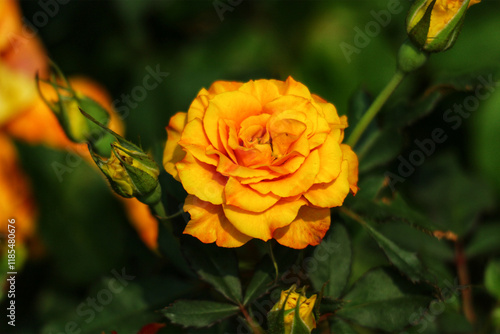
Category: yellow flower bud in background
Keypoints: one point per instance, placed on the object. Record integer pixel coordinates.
(434, 25)
(294, 311)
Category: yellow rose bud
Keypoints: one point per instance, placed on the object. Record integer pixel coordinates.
(286, 308)
(433, 25)
(131, 172)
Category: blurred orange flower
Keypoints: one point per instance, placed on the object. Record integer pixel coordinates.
(21, 56)
(262, 159)
(16, 200)
(24, 115)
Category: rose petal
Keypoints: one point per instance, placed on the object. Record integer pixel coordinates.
(235, 106)
(264, 90)
(330, 157)
(209, 224)
(308, 228)
(285, 132)
(261, 120)
(260, 155)
(194, 141)
(352, 160)
(327, 195)
(318, 98)
(228, 168)
(173, 153)
(288, 164)
(261, 225)
(329, 112)
(296, 88)
(219, 87)
(201, 180)
(293, 107)
(294, 184)
(244, 197)
(227, 136)
(198, 106)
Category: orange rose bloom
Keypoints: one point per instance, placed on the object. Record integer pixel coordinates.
(262, 160)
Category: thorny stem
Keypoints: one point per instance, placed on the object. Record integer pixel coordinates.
(464, 280)
(251, 322)
(375, 108)
(353, 215)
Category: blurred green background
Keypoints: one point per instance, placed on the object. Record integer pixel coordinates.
(82, 226)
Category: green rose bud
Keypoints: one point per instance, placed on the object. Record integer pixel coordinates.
(433, 25)
(131, 172)
(67, 107)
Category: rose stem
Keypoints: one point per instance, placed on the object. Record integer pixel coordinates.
(274, 262)
(255, 327)
(464, 280)
(375, 108)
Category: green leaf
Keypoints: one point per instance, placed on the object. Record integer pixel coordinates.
(394, 209)
(397, 208)
(415, 240)
(492, 277)
(329, 305)
(334, 262)
(261, 281)
(485, 144)
(338, 325)
(119, 302)
(215, 265)
(404, 260)
(197, 313)
(451, 321)
(406, 113)
(383, 299)
(485, 241)
(466, 195)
